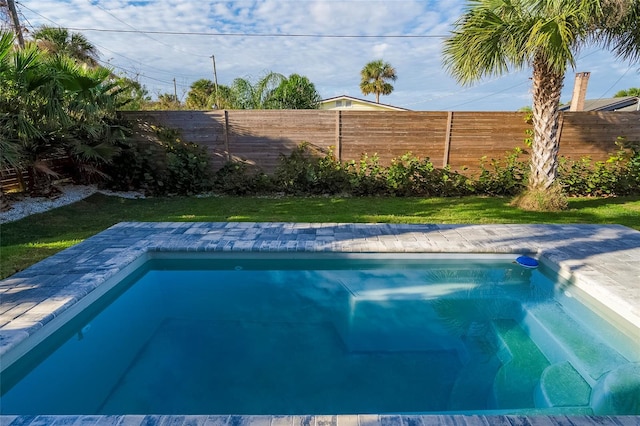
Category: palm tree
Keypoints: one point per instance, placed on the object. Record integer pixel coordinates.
(90, 99)
(201, 94)
(496, 35)
(222, 97)
(295, 92)
(51, 106)
(374, 78)
(247, 95)
(59, 41)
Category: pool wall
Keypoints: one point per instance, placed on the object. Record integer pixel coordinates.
(603, 262)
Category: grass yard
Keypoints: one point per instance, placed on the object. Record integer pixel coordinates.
(34, 238)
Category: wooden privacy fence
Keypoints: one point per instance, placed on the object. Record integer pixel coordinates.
(457, 139)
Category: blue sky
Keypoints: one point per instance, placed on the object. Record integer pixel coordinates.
(405, 33)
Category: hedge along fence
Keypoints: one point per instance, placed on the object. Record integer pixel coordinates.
(457, 139)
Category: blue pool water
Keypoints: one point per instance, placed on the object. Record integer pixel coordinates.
(275, 335)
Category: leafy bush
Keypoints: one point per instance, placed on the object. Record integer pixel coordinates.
(503, 178)
(583, 177)
(408, 175)
(305, 172)
(627, 162)
(454, 183)
(235, 178)
(170, 166)
(366, 176)
(619, 175)
(164, 165)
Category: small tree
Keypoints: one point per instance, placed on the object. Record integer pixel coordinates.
(201, 94)
(374, 78)
(296, 92)
(634, 91)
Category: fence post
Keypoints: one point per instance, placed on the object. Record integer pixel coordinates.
(447, 139)
(226, 134)
(338, 152)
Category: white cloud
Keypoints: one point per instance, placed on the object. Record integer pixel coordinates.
(333, 64)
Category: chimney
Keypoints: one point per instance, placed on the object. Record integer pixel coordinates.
(579, 91)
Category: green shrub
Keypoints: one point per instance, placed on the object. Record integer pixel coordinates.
(454, 183)
(619, 175)
(508, 177)
(169, 166)
(305, 171)
(407, 175)
(188, 168)
(296, 172)
(411, 176)
(366, 176)
(332, 176)
(236, 178)
(627, 161)
(584, 177)
(164, 165)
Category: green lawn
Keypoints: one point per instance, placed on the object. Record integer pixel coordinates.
(29, 240)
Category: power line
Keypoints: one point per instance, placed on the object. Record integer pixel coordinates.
(210, 34)
(489, 95)
(112, 51)
(616, 82)
(135, 30)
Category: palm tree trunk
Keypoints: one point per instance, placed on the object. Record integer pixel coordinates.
(547, 86)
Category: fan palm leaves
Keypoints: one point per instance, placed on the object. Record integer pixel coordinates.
(50, 106)
(60, 41)
(375, 77)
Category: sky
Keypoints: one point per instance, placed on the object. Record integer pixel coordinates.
(328, 41)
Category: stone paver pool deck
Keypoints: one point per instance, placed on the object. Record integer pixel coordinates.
(603, 260)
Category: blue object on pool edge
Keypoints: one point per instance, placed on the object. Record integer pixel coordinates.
(527, 262)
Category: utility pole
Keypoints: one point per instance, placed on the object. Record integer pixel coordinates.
(175, 91)
(215, 79)
(16, 22)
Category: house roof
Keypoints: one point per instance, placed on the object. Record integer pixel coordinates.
(627, 103)
(363, 101)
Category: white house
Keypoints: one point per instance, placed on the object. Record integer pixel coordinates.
(348, 103)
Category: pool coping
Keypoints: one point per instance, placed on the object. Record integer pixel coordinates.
(602, 260)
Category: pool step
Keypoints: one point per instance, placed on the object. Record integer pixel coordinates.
(516, 380)
(562, 386)
(562, 338)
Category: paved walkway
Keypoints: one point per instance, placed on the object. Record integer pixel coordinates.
(362, 420)
(603, 260)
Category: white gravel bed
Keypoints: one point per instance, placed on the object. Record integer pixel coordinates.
(70, 194)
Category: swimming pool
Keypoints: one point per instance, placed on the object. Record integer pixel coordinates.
(154, 247)
(329, 334)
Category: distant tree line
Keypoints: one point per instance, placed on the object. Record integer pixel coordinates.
(272, 91)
